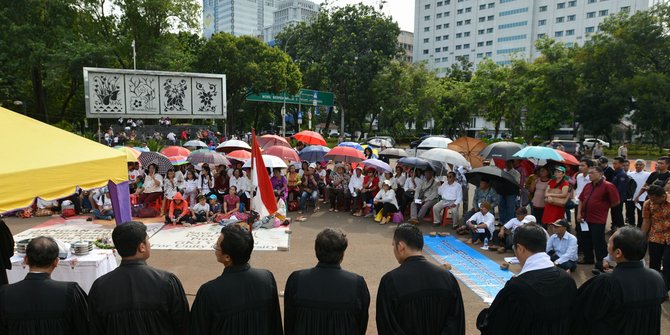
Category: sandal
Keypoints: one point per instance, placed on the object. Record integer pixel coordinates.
(335, 210)
(330, 210)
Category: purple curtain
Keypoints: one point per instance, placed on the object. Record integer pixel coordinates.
(120, 194)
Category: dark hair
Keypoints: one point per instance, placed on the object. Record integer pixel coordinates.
(666, 159)
(41, 251)
(619, 159)
(655, 190)
(201, 197)
(330, 245)
(521, 211)
(128, 236)
(598, 169)
(631, 241)
(588, 162)
(409, 234)
(532, 237)
(237, 243)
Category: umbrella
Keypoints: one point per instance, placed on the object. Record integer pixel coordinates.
(142, 149)
(175, 151)
(310, 137)
(470, 148)
(270, 161)
(131, 153)
(148, 158)
(178, 160)
(345, 154)
(313, 153)
(283, 152)
(378, 165)
(195, 144)
(501, 181)
(393, 153)
(503, 150)
(539, 153)
(380, 142)
(206, 156)
(232, 145)
(445, 156)
(417, 163)
(240, 155)
(568, 158)
(351, 145)
(267, 141)
(434, 142)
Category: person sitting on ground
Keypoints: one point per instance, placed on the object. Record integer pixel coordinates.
(480, 225)
(215, 207)
(562, 246)
(169, 189)
(504, 237)
(178, 212)
(200, 211)
(370, 187)
(190, 186)
(46, 207)
(231, 206)
(104, 210)
(483, 193)
(385, 201)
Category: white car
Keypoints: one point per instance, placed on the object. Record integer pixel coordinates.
(591, 142)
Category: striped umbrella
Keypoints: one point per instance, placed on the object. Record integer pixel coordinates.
(148, 158)
(131, 153)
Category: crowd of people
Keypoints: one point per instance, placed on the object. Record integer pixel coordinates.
(418, 297)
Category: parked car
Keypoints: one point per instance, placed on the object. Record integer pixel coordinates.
(571, 147)
(335, 133)
(416, 143)
(387, 138)
(589, 143)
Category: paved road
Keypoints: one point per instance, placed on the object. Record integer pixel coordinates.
(369, 254)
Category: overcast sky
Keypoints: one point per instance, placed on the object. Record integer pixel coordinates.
(402, 11)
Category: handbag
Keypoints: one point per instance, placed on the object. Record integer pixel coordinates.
(556, 201)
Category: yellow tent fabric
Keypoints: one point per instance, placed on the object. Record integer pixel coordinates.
(39, 160)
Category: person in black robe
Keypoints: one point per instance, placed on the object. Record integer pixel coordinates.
(136, 298)
(418, 297)
(243, 300)
(536, 301)
(6, 251)
(40, 305)
(627, 300)
(326, 300)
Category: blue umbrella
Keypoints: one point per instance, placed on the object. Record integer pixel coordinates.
(539, 153)
(314, 153)
(351, 145)
(141, 149)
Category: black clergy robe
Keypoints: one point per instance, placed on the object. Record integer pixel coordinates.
(39, 305)
(6, 251)
(138, 299)
(626, 301)
(419, 298)
(326, 300)
(535, 302)
(242, 300)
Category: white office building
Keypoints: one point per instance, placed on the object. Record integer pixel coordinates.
(237, 17)
(504, 29)
(288, 13)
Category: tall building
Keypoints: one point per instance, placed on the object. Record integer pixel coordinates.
(237, 17)
(504, 29)
(288, 13)
(406, 43)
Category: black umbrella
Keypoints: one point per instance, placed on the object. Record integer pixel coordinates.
(419, 163)
(501, 181)
(501, 150)
(148, 158)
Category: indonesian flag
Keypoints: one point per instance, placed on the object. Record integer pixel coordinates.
(264, 201)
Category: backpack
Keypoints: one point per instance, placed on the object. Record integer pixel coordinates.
(631, 186)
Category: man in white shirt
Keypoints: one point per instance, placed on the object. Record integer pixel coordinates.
(504, 239)
(640, 176)
(562, 246)
(425, 198)
(412, 183)
(481, 224)
(355, 187)
(451, 195)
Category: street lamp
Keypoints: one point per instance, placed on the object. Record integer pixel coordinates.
(22, 104)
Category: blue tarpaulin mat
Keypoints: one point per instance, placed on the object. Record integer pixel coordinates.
(482, 275)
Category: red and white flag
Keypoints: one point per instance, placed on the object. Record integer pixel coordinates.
(264, 201)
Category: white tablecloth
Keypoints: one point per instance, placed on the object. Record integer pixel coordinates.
(81, 269)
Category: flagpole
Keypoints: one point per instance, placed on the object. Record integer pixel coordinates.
(253, 155)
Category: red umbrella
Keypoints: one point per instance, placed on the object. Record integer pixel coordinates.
(568, 158)
(175, 151)
(527, 165)
(267, 141)
(310, 137)
(282, 152)
(344, 154)
(240, 155)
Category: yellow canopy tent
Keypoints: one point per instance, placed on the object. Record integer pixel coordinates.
(39, 160)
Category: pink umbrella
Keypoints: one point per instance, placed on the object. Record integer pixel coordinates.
(310, 137)
(267, 141)
(344, 154)
(240, 155)
(282, 152)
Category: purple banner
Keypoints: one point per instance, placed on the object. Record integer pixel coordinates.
(120, 194)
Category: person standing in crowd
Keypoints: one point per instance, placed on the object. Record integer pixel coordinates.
(557, 191)
(508, 202)
(136, 298)
(608, 171)
(451, 195)
(634, 206)
(620, 181)
(6, 251)
(623, 151)
(595, 202)
(418, 297)
(656, 214)
(326, 299)
(625, 301)
(169, 189)
(598, 151)
(537, 300)
(152, 188)
(242, 300)
(581, 180)
(537, 188)
(38, 304)
(562, 246)
(385, 201)
(425, 198)
(662, 173)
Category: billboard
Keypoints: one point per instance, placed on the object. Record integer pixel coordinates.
(114, 93)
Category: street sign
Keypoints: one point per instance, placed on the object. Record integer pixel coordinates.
(304, 97)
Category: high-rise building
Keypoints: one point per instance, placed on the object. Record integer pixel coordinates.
(237, 17)
(504, 29)
(406, 44)
(288, 13)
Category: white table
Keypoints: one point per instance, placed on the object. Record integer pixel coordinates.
(81, 269)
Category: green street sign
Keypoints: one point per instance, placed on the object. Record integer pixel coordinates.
(304, 97)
